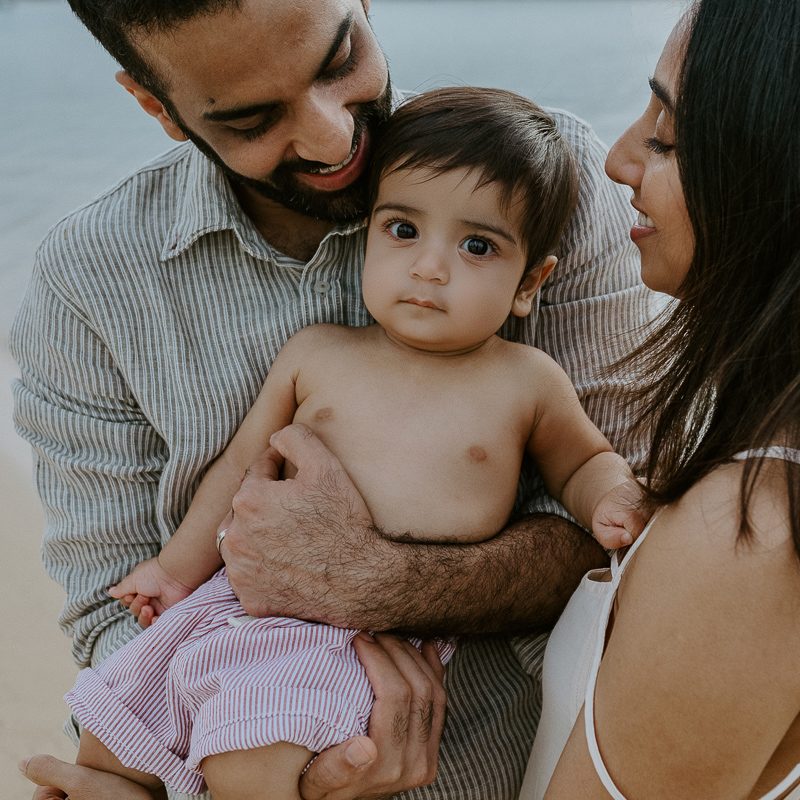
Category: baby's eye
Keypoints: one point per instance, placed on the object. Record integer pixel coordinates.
(477, 247)
(402, 230)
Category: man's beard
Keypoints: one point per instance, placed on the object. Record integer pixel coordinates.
(284, 187)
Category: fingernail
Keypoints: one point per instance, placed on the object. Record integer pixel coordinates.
(23, 766)
(366, 636)
(357, 755)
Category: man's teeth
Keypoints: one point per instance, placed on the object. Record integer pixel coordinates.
(335, 167)
(644, 221)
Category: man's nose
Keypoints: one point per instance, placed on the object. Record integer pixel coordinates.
(323, 130)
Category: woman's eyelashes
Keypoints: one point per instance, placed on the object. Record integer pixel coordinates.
(655, 145)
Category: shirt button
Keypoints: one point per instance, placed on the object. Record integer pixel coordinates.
(322, 287)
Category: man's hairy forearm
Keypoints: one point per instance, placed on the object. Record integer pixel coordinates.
(312, 552)
(520, 580)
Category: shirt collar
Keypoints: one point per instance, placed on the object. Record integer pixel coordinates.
(207, 203)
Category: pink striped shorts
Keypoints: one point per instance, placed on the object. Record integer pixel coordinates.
(206, 679)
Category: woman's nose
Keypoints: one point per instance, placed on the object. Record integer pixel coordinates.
(624, 163)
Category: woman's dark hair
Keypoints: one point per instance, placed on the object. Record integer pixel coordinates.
(114, 23)
(724, 367)
(505, 138)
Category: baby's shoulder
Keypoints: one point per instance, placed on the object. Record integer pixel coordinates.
(527, 364)
(318, 344)
(325, 335)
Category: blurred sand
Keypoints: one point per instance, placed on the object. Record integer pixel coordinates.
(37, 668)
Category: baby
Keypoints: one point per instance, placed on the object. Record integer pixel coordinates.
(429, 412)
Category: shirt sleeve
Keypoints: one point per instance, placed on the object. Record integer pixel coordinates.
(594, 309)
(97, 460)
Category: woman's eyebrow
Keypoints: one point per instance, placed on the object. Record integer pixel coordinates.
(662, 94)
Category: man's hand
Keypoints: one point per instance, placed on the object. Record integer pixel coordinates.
(306, 548)
(405, 727)
(290, 542)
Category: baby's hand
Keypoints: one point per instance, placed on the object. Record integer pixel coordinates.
(621, 515)
(148, 591)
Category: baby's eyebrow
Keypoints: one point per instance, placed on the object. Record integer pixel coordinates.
(486, 226)
(399, 207)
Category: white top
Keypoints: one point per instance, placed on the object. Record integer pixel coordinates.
(572, 662)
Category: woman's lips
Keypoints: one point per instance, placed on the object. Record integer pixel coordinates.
(642, 228)
(331, 179)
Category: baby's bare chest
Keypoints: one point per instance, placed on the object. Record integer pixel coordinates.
(430, 454)
(466, 420)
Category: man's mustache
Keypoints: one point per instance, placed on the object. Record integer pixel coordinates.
(301, 165)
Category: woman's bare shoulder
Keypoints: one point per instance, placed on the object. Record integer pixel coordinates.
(707, 517)
(702, 654)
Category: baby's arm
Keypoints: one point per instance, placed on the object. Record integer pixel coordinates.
(619, 513)
(578, 464)
(190, 557)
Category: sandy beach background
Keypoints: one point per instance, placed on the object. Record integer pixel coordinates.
(69, 132)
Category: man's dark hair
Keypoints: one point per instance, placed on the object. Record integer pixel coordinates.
(505, 138)
(114, 23)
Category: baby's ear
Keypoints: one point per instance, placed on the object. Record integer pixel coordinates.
(531, 283)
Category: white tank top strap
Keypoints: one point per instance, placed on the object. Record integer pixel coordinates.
(618, 568)
(776, 451)
(619, 565)
(787, 783)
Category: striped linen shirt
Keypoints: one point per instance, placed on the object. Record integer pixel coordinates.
(152, 317)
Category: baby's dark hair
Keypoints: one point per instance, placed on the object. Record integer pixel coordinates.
(506, 138)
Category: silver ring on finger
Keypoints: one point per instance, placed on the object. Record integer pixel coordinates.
(220, 538)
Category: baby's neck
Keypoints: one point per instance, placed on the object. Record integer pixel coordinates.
(421, 349)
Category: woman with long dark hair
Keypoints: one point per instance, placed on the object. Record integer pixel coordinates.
(676, 674)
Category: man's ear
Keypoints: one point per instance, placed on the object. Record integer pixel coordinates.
(531, 283)
(151, 104)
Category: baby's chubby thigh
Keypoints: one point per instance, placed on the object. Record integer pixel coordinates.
(254, 682)
(263, 773)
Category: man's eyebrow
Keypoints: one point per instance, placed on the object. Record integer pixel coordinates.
(662, 94)
(240, 112)
(254, 109)
(345, 26)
